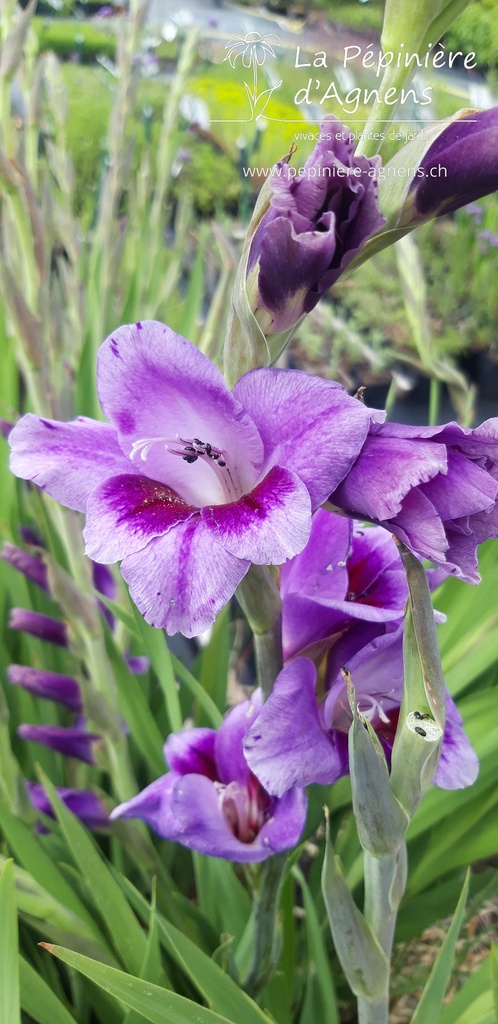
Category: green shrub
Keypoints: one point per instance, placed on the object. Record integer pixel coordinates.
(476, 30)
(67, 38)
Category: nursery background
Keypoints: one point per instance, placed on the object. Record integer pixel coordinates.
(134, 141)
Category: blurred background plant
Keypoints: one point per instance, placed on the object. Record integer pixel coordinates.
(109, 176)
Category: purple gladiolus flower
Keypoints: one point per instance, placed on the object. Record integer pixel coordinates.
(191, 482)
(77, 742)
(45, 627)
(347, 577)
(434, 487)
(48, 685)
(83, 803)
(210, 802)
(31, 567)
(316, 224)
(296, 741)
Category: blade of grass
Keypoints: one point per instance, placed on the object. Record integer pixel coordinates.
(10, 1008)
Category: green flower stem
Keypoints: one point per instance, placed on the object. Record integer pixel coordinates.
(260, 601)
(265, 951)
(385, 880)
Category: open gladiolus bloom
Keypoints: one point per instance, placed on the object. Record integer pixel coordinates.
(189, 483)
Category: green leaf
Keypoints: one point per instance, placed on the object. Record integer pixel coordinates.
(157, 1005)
(213, 715)
(429, 1007)
(38, 1000)
(216, 987)
(136, 711)
(473, 1003)
(161, 660)
(37, 862)
(320, 985)
(10, 1009)
(127, 936)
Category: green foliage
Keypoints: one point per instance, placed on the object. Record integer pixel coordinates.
(73, 39)
(476, 30)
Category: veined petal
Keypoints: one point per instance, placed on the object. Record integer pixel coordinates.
(230, 760)
(181, 581)
(268, 525)
(202, 825)
(125, 512)
(321, 570)
(153, 383)
(68, 460)
(383, 474)
(458, 765)
(287, 745)
(309, 425)
(152, 805)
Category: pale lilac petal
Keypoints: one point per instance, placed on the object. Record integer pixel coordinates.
(192, 752)
(126, 512)
(283, 829)
(309, 425)
(202, 826)
(287, 745)
(458, 765)
(268, 525)
(68, 460)
(385, 471)
(230, 761)
(153, 805)
(153, 383)
(181, 581)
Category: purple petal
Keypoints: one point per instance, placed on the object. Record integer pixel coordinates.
(320, 570)
(458, 765)
(45, 627)
(152, 805)
(66, 459)
(138, 664)
(385, 471)
(48, 685)
(181, 581)
(77, 743)
(467, 151)
(192, 752)
(126, 512)
(154, 384)
(466, 489)
(287, 745)
(202, 826)
(268, 525)
(283, 829)
(310, 426)
(230, 761)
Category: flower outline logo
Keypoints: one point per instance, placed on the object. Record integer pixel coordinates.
(252, 49)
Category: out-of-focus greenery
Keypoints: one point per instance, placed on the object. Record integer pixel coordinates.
(476, 30)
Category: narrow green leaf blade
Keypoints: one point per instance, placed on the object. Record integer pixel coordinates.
(157, 1005)
(429, 1007)
(127, 935)
(10, 1009)
(38, 1000)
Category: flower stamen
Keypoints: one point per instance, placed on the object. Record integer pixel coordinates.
(190, 450)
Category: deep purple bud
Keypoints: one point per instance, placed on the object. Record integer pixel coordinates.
(30, 536)
(85, 805)
(137, 663)
(48, 685)
(459, 167)
(315, 224)
(75, 743)
(104, 582)
(43, 626)
(33, 568)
